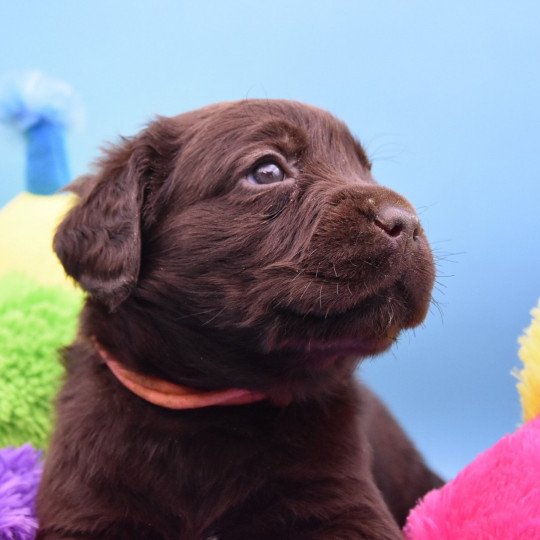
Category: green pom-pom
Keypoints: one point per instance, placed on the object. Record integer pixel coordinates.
(35, 321)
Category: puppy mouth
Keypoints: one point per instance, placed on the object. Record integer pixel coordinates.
(327, 351)
(366, 328)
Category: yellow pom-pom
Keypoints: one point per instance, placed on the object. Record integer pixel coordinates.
(529, 376)
(27, 226)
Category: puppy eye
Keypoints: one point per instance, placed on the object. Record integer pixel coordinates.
(267, 173)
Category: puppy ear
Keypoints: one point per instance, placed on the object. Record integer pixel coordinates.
(99, 241)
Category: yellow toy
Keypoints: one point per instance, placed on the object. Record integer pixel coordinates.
(529, 376)
(27, 225)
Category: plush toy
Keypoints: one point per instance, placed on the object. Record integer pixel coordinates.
(35, 321)
(41, 109)
(529, 377)
(498, 495)
(20, 471)
(38, 305)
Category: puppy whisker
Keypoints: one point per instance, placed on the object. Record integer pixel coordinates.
(197, 314)
(206, 323)
(305, 290)
(300, 272)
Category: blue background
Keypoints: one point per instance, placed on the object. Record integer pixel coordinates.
(444, 95)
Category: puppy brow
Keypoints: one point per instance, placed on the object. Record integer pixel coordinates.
(287, 138)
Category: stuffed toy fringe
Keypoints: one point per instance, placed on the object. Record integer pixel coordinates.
(529, 377)
(20, 471)
(496, 497)
(35, 321)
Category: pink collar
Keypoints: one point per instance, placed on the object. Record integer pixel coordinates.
(174, 396)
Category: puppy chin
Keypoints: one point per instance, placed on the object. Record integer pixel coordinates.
(319, 341)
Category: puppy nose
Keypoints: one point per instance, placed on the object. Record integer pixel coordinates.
(397, 222)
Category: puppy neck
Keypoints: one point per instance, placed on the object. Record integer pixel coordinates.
(170, 395)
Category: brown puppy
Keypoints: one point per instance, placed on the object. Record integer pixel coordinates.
(243, 256)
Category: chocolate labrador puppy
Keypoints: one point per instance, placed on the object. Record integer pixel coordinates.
(239, 260)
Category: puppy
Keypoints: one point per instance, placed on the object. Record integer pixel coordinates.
(239, 261)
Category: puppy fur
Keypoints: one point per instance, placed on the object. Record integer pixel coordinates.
(201, 275)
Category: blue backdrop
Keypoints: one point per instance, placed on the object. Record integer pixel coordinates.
(444, 95)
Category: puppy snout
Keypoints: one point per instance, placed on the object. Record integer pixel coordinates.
(397, 222)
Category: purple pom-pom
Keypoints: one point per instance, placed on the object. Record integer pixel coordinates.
(20, 472)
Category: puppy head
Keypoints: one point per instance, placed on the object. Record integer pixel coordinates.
(245, 243)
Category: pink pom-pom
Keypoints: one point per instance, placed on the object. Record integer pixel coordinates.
(497, 496)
